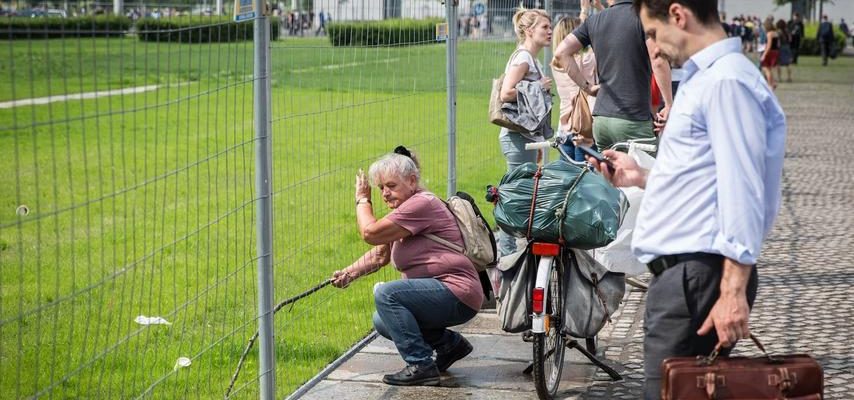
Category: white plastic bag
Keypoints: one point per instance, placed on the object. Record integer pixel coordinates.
(617, 256)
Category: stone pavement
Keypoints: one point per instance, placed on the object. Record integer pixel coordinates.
(806, 286)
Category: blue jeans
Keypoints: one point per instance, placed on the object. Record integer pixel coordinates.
(513, 147)
(415, 315)
(569, 148)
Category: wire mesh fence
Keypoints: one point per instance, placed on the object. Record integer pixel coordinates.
(127, 230)
(128, 196)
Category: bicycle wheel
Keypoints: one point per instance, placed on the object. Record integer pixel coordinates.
(549, 347)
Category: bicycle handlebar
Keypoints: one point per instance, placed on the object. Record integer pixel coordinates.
(538, 145)
(645, 147)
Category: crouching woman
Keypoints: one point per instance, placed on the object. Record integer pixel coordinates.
(439, 287)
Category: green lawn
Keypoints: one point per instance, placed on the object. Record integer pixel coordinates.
(144, 204)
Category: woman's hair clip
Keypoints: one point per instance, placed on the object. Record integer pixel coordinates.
(402, 151)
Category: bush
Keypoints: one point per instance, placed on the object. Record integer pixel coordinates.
(199, 30)
(809, 44)
(48, 27)
(383, 33)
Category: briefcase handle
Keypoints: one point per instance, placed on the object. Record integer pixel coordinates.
(714, 355)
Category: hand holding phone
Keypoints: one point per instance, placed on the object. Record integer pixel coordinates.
(597, 155)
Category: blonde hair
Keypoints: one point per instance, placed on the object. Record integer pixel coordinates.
(525, 19)
(563, 28)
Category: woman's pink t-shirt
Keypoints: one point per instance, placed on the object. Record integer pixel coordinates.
(417, 256)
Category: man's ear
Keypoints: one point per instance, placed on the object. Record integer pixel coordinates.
(678, 14)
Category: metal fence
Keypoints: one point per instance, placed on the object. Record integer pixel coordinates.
(161, 197)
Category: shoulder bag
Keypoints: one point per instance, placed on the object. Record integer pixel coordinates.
(496, 116)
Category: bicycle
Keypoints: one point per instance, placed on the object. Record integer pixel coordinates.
(549, 341)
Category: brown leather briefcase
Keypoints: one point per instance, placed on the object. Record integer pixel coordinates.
(791, 377)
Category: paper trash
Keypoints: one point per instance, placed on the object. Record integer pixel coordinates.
(181, 363)
(143, 320)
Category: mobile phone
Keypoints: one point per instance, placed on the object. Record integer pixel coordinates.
(597, 155)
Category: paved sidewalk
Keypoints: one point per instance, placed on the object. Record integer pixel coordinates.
(805, 301)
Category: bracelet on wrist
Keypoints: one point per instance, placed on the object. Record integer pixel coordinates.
(363, 200)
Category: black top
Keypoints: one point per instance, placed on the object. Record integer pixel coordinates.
(622, 61)
(775, 43)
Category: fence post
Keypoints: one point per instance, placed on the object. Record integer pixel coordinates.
(118, 7)
(451, 69)
(263, 191)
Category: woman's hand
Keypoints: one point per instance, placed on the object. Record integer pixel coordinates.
(659, 121)
(547, 83)
(579, 140)
(342, 279)
(363, 188)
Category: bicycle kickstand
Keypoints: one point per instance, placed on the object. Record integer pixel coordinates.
(573, 344)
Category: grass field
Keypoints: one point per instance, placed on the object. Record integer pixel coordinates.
(144, 204)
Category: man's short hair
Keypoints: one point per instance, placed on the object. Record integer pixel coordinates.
(705, 10)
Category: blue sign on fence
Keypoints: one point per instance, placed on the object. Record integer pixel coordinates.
(478, 9)
(244, 10)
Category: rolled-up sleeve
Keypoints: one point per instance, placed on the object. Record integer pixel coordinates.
(736, 126)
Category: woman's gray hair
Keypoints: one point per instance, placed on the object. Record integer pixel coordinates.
(399, 165)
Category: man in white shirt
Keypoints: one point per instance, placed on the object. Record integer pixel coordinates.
(714, 191)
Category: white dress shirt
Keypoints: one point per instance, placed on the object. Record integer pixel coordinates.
(715, 186)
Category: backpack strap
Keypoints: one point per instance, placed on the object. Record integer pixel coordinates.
(452, 246)
(445, 243)
(519, 50)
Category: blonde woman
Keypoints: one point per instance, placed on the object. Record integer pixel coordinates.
(534, 32)
(567, 90)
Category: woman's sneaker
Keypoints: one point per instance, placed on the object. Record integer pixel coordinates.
(445, 360)
(414, 375)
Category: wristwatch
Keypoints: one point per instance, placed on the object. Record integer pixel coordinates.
(363, 200)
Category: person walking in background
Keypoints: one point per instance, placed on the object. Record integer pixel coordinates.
(824, 36)
(321, 27)
(568, 90)
(534, 32)
(622, 110)
(785, 58)
(770, 53)
(722, 148)
(439, 288)
(796, 31)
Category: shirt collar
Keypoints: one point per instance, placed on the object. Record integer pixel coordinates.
(704, 59)
(622, 2)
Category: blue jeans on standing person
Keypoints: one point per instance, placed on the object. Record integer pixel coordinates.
(513, 148)
(415, 315)
(571, 150)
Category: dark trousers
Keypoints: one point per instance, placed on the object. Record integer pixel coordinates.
(677, 303)
(825, 50)
(796, 48)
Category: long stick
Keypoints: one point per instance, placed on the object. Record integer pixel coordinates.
(255, 336)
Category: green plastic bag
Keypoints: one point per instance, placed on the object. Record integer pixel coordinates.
(572, 202)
